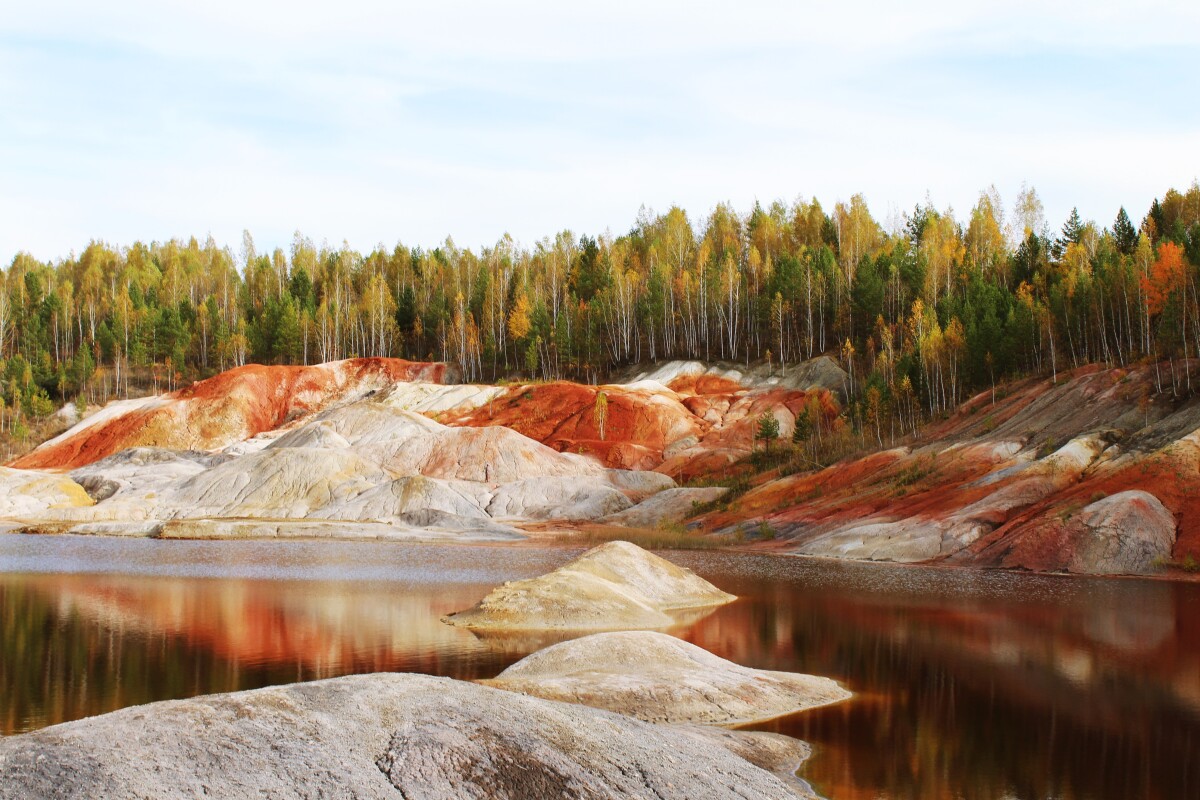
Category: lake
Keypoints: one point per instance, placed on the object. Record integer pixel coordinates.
(969, 684)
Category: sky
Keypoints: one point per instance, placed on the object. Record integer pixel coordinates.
(377, 123)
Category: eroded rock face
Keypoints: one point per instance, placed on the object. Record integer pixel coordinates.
(614, 586)
(141, 471)
(1002, 483)
(384, 441)
(556, 498)
(669, 505)
(380, 736)
(25, 493)
(658, 678)
(288, 482)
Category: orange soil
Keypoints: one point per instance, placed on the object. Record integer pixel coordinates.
(234, 405)
(721, 416)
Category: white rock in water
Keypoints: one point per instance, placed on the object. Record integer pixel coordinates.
(658, 678)
(617, 585)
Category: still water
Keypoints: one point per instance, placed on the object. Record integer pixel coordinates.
(968, 684)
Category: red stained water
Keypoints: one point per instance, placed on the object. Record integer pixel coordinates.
(968, 684)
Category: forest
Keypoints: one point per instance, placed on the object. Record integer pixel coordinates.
(921, 314)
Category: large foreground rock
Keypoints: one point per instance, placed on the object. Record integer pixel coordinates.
(658, 678)
(380, 736)
(617, 585)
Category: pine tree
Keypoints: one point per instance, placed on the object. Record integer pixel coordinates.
(768, 429)
(803, 427)
(1072, 232)
(1072, 228)
(1124, 233)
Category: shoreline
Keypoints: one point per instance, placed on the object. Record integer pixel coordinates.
(540, 535)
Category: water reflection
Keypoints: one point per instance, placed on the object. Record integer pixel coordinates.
(971, 685)
(978, 685)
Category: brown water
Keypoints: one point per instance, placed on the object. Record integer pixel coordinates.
(969, 684)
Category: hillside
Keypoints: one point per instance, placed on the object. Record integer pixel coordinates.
(1093, 473)
(384, 448)
(1088, 474)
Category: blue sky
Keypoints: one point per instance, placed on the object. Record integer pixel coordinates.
(377, 123)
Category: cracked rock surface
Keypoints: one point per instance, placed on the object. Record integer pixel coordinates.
(385, 736)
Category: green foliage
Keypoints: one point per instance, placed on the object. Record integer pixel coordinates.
(933, 311)
(767, 428)
(803, 428)
(531, 355)
(915, 473)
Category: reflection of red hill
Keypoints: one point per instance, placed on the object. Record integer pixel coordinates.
(226, 408)
(1085, 645)
(321, 628)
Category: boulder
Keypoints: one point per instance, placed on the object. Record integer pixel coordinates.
(617, 585)
(658, 678)
(379, 736)
(1125, 534)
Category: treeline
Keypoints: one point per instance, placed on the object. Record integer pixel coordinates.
(919, 314)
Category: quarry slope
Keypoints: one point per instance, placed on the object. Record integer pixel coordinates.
(383, 447)
(1094, 473)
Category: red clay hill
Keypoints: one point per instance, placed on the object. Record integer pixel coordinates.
(1095, 472)
(685, 419)
(226, 408)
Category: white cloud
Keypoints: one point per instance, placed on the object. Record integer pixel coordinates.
(376, 122)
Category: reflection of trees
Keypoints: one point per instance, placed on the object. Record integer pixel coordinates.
(969, 684)
(75, 645)
(1082, 694)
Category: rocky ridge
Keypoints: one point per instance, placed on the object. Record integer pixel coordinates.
(1093, 474)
